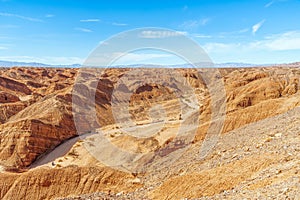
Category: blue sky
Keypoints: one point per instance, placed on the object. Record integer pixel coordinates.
(66, 31)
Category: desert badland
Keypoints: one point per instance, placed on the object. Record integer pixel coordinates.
(44, 156)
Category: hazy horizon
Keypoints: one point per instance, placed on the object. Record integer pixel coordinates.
(5, 63)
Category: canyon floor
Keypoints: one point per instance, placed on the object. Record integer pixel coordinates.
(84, 134)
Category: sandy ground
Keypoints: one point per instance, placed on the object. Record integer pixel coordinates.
(101, 141)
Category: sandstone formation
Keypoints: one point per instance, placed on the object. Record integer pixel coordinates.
(260, 134)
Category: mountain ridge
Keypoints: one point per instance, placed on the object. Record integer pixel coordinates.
(5, 63)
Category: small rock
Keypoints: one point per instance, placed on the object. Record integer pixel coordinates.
(278, 135)
(136, 181)
(269, 139)
(150, 188)
(246, 149)
(285, 190)
(119, 194)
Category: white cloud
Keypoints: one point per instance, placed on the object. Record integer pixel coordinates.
(280, 42)
(119, 24)
(5, 46)
(84, 30)
(257, 26)
(193, 24)
(202, 36)
(90, 20)
(8, 26)
(220, 47)
(49, 15)
(245, 30)
(273, 2)
(269, 4)
(20, 17)
(141, 57)
(161, 34)
(4, 37)
(233, 34)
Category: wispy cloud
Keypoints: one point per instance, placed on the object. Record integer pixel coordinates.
(5, 46)
(3, 14)
(280, 42)
(245, 30)
(84, 30)
(5, 37)
(233, 33)
(193, 24)
(160, 34)
(119, 24)
(221, 47)
(273, 2)
(90, 20)
(202, 36)
(257, 26)
(185, 8)
(49, 15)
(8, 26)
(269, 4)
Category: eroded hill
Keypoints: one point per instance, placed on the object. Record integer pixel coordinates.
(252, 157)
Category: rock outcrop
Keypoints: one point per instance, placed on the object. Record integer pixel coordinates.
(38, 107)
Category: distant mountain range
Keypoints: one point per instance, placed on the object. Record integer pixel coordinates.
(35, 64)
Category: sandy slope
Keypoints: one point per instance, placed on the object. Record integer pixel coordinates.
(258, 161)
(257, 155)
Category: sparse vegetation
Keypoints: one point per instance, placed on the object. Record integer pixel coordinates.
(267, 150)
(58, 165)
(73, 153)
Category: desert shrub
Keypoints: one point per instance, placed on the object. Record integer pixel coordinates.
(73, 153)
